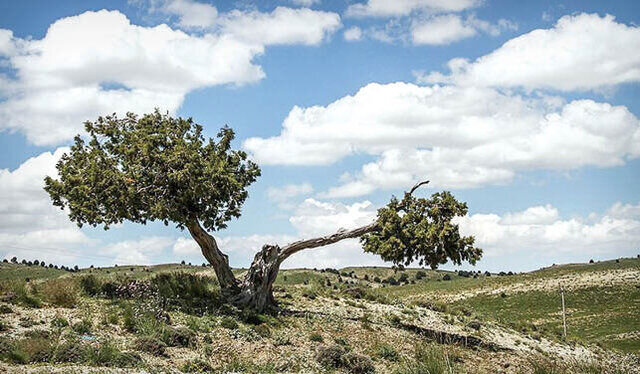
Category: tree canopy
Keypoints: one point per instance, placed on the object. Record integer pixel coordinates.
(149, 168)
(419, 229)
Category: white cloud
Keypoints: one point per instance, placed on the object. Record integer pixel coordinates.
(138, 252)
(191, 14)
(539, 232)
(353, 34)
(457, 137)
(580, 52)
(306, 3)
(285, 193)
(98, 63)
(441, 30)
(385, 8)
(28, 219)
(281, 26)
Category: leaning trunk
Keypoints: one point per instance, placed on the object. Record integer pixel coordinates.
(218, 260)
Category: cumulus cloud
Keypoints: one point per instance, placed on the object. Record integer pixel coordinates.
(306, 3)
(28, 220)
(581, 52)
(441, 30)
(138, 252)
(98, 63)
(540, 232)
(281, 26)
(384, 8)
(458, 137)
(191, 14)
(284, 194)
(353, 34)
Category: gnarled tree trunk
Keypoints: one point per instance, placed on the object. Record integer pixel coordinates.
(256, 289)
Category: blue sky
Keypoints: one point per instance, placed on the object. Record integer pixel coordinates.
(528, 112)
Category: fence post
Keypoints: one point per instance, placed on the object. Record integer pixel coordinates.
(564, 317)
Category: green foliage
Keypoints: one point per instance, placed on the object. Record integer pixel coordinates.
(428, 359)
(61, 292)
(91, 285)
(316, 337)
(422, 230)
(336, 356)
(387, 352)
(151, 345)
(187, 292)
(149, 168)
(228, 323)
(83, 326)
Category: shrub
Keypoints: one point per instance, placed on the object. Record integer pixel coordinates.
(187, 292)
(446, 277)
(428, 359)
(108, 354)
(17, 292)
(387, 352)
(82, 327)
(229, 323)
(330, 356)
(197, 366)
(5, 309)
(315, 337)
(151, 345)
(128, 319)
(70, 351)
(336, 356)
(59, 322)
(178, 337)
(358, 364)
(420, 274)
(91, 285)
(61, 292)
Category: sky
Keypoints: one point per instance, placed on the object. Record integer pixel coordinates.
(527, 111)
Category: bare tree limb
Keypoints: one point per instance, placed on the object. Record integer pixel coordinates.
(295, 247)
(417, 186)
(292, 248)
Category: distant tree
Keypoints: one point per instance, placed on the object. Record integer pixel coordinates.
(43, 264)
(24, 262)
(182, 262)
(159, 168)
(36, 263)
(75, 268)
(14, 260)
(5, 260)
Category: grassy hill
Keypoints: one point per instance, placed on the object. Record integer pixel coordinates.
(169, 318)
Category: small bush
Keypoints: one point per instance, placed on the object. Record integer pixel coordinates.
(179, 337)
(358, 364)
(446, 277)
(197, 366)
(330, 356)
(108, 354)
(62, 292)
(82, 327)
(428, 359)
(59, 322)
(387, 352)
(91, 285)
(315, 337)
(229, 323)
(187, 292)
(5, 309)
(70, 351)
(151, 345)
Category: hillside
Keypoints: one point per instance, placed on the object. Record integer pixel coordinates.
(168, 318)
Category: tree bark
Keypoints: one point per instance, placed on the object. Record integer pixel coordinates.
(217, 259)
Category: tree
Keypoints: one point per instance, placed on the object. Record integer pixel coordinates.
(159, 168)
